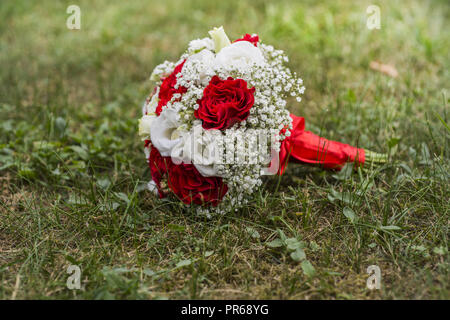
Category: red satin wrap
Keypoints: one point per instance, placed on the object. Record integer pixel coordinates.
(306, 147)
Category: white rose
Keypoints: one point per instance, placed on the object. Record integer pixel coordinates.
(205, 61)
(148, 111)
(145, 124)
(163, 131)
(239, 55)
(198, 147)
(220, 38)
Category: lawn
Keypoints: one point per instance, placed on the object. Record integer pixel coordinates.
(73, 172)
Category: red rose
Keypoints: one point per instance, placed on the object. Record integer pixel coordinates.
(249, 38)
(224, 103)
(159, 167)
(167, 89)
(190, 186)
(185, 181)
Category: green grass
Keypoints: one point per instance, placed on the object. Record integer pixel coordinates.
(72, 166)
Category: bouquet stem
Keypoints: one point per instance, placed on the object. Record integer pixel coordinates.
(374, 157)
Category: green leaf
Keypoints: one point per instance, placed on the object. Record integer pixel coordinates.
(281, 234)
(104, 183)
(391, 228)
(27, 173)
(77, 200)
(81, 152)
(350, 214)
(122, 196)
(345, 197)
(442, 121)
(149, 272)
(183, 263)
(345, 172)
(393, 142)
(72, 260)
(7, 126)
(314, 246)
(208, 253)
(6, 162)
(60, 125)
(439, 250)
(351, 96)
(121, 270)
(253, 233)
(275, 243)
(293, 244)
(176, 227)
(425, 154)
(298, 255)
(308, 268)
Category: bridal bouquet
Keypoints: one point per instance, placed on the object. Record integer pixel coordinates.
(217, 122)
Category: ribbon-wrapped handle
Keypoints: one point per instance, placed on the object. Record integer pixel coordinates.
(306, 147)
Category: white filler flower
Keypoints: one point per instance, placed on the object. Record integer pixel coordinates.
(203, 62)
(200, 44)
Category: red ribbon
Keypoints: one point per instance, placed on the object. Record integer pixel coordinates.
(306, 147)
